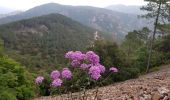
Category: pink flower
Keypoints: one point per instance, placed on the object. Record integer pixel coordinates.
(69, 54)
(77, 55)
(39, 79)
(57, 83)
(84, 66)
(94, 72)
(55, 74)
(102, 68)
(66, 73)
(94, 69)
(113, 69)
(75, 63)
(92, 57)
(95, 76)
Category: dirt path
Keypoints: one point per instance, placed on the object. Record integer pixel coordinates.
(153, 86)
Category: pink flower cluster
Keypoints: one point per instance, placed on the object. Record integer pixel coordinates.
(56, 77)
(77, 55)
(66, 73)
(39, 79)
(92, 57)
(55, 74)
(88, 61)
(56, 82)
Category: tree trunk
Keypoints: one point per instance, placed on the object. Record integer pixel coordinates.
(153, 37)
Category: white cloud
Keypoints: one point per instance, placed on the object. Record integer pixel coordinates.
(26, 4)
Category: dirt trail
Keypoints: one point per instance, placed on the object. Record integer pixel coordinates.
(153, 86)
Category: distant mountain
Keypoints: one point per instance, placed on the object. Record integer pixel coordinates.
(102, 19)
(126, 9)
(4, 10)
(42, 41)
(10, 14)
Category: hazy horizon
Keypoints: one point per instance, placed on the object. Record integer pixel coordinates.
(25, 5)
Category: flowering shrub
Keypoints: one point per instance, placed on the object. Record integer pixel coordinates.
(88, 62)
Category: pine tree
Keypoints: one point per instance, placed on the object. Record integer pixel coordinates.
(157, 9)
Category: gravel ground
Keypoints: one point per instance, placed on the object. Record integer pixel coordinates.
(153, 86)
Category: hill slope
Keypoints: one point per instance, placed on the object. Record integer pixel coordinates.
(102, 19)
(42, 41)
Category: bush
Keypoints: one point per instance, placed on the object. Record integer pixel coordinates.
(111, 55)
(7, 95)
(15, 82)
(126, 73)
(157, 59)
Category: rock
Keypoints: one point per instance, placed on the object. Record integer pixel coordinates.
(163, 91)
(156, 97)
(147, 97)
(141, 98)
(166, 98)
(145, 92)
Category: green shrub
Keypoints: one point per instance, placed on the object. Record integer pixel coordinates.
(15, 82)
(126, 73)
(111, 55)
(7, 95)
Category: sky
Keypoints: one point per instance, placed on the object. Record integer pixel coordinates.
(27, 4)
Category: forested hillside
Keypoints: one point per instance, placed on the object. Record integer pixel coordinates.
(41, 42)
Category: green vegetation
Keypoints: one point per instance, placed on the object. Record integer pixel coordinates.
(136, 46)
(112, 55)
(40, 43)
(15, 82)
(156, 9)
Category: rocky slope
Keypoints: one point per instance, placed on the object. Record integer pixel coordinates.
(153, 86)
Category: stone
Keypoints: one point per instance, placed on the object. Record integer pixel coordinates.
(166, 98)
(155, 97)
(147, 97)
(163, 90)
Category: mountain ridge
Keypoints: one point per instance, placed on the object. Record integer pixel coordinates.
(133, 9)
(102, 19)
